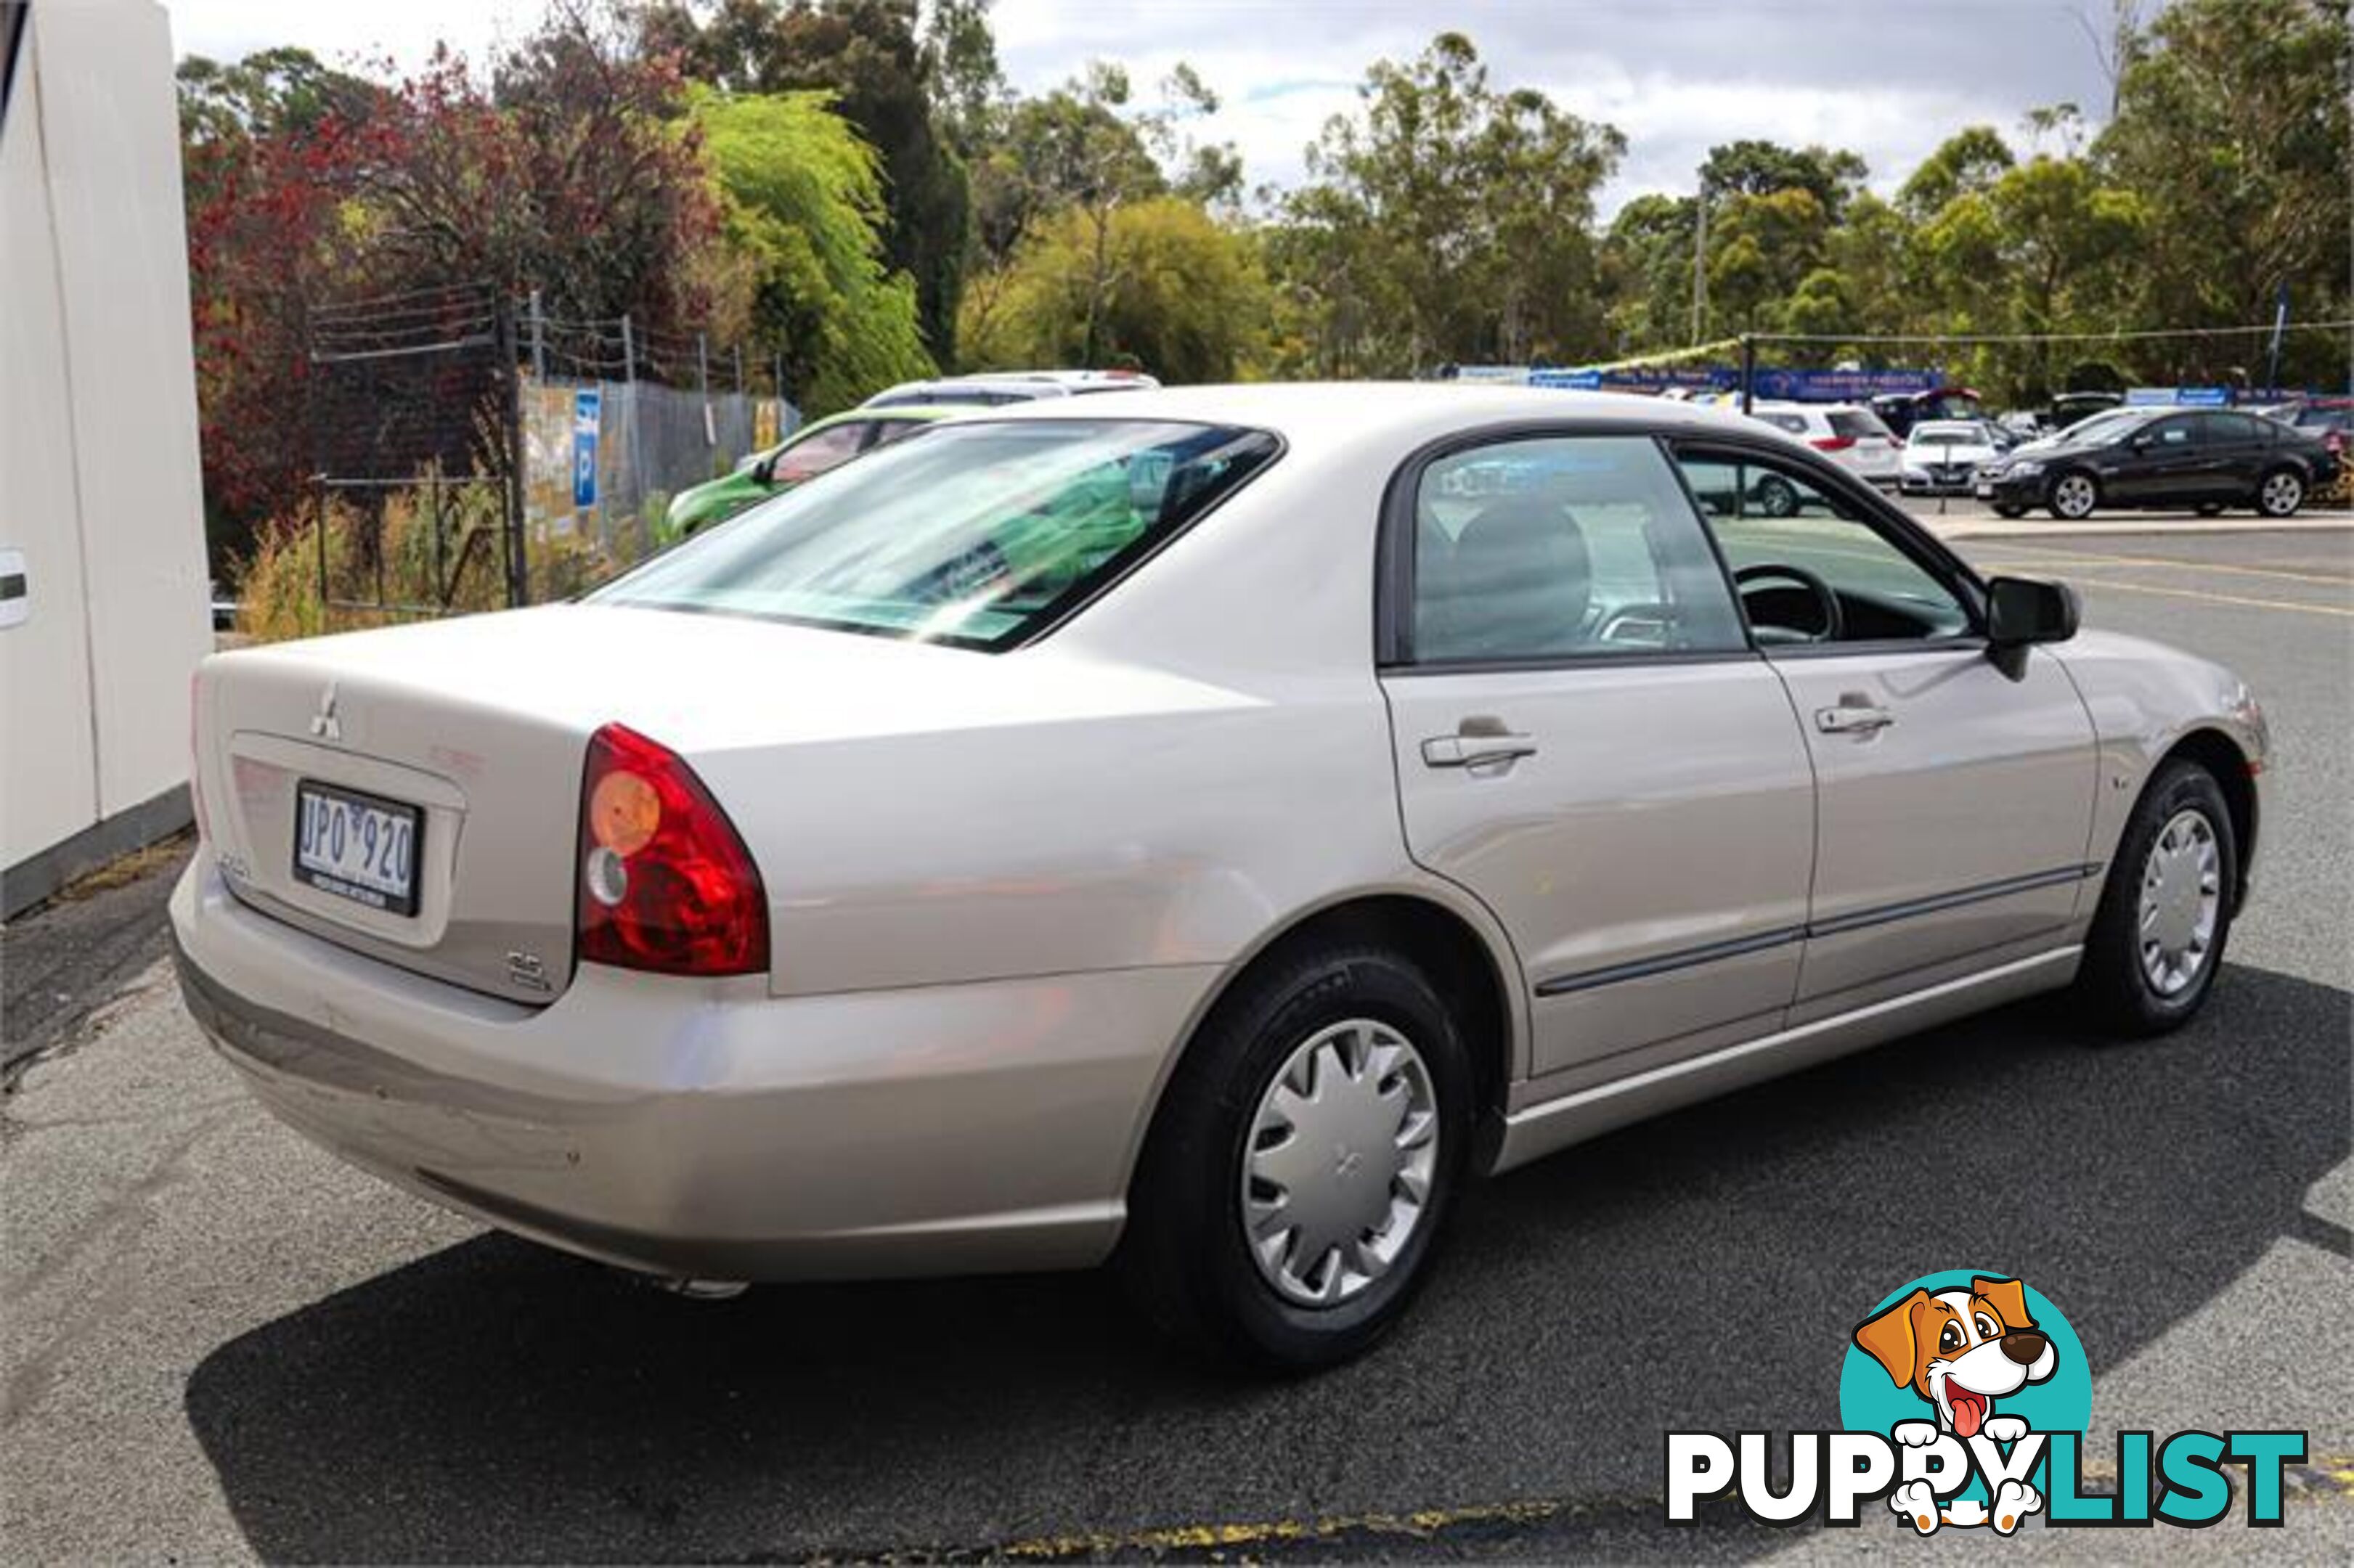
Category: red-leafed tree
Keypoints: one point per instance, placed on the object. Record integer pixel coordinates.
(570, 167)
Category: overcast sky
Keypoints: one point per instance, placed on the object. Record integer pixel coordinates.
(1889, 79)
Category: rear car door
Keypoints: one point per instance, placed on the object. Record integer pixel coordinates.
(1586, 741)
(1953, 802)
(2233, 454)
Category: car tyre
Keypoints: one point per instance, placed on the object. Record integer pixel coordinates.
(2181, 827)
(2280, 493)
(1778, 497)
(2007, 510)
(2072, 496)
(2209, 509)
(1186, 1255)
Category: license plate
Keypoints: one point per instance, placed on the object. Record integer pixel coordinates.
(1986, 492)
(355, 846)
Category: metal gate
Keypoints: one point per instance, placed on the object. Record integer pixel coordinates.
(415, 428)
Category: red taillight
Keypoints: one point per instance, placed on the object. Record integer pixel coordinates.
(665, 882)
(1833, 443)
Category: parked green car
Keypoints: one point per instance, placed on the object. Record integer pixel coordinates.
(808, 451)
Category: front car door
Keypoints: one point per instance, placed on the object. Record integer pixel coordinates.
(1586, 740)
(2158, 465)
(1954, 800)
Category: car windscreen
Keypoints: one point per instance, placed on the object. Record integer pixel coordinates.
(1948, 436)
(1853, 423)
(2108, 428)
(973, 536)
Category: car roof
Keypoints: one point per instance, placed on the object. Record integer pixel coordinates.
(1020, 386)
(1329, 412)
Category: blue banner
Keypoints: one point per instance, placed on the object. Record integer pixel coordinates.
(586, 405)
(2179, 396)
(1842, 386)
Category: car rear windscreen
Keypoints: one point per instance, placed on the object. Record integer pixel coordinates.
(977, 535)
(1856, 422)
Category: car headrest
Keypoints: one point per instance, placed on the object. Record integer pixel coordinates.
(1516, 583)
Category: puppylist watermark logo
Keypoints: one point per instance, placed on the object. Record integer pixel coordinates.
(1963, 1401)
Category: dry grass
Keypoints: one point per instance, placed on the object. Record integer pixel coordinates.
(389, 557)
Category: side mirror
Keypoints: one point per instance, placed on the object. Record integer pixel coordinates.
(2022, 611)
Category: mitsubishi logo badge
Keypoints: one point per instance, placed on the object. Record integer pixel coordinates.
(324, 725)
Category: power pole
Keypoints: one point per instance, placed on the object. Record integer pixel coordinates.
(1699, 266)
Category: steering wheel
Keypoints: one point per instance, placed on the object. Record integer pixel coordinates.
(1834, 622)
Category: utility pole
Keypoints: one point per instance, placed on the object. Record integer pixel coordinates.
(1699, 266)
(1748, 370)
(538, 342)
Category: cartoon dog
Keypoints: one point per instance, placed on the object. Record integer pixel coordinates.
(1961, 1350)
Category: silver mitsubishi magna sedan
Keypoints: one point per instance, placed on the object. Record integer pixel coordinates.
(1199, 834)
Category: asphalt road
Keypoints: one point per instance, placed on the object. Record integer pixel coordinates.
(218, 1344)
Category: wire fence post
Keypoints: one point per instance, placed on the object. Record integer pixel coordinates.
(703, 385)
(739, 353)
(629, 376)
(510, 371)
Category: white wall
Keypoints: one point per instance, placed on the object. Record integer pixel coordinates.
(98, 476)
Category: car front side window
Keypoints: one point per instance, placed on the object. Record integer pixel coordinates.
(1552, 548)
(1810, 565)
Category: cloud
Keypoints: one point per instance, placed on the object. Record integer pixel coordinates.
(1887, 79)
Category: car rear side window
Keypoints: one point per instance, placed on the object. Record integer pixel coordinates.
(1566, 547)
(977, 535)
(1854, 423)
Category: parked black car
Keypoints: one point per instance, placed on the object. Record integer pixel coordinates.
(2158, 459)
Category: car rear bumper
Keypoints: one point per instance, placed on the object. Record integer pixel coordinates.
(706, 1129)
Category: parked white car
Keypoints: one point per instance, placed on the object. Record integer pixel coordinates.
(1848, 433)
(1941, 456)
(1205, 825)
(997, 387)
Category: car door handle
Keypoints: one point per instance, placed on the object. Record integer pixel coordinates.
(1852, 718)
(1476, 750)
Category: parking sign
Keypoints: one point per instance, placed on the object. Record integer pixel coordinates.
(586, 405)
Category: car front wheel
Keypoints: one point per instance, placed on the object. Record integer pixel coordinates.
(2166, 909)
(2281, 494)
(1302, 1166)
(2073, 496)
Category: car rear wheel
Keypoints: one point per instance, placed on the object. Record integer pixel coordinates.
(1296, 1181)
(2007, 510)
(2209, 509)
(2166, 908)
(1778, 497)
(2072, 497)
(2281, 493)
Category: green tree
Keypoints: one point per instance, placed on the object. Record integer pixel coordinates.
(1970, 160)
(2232, 128)
(869, 55)
(1756, 168)
(1451, 221)
(804, 207)
(1158, 284)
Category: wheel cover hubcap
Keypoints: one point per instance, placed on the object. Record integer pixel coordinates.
(1338, 1165)
(2182, 896)
(2075, 495)
(2280, 492)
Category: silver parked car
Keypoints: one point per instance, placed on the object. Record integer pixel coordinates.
(1203, 828)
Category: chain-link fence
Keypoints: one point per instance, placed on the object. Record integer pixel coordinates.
(412, 419)
(618, 422)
